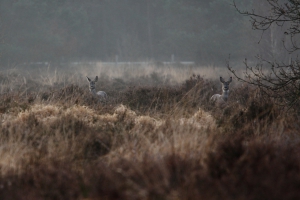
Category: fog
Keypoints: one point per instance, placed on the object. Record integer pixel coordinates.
(203, 32)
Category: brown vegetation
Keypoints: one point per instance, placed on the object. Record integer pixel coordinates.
(149, 141)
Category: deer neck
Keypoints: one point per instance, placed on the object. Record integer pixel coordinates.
(93, 91)
(225, 95)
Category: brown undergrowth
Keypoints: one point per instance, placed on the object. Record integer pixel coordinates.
(148, 141)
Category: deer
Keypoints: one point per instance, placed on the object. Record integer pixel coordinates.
(222, 98)
(101, 95)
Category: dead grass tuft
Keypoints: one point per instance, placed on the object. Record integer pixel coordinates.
(153, 139)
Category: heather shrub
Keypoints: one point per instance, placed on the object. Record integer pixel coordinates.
(153, 139)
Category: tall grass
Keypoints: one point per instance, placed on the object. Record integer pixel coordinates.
(153, 139)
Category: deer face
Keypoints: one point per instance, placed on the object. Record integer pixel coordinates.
(225, 84)
(92, 82)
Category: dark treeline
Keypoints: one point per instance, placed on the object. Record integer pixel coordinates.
(74, 30)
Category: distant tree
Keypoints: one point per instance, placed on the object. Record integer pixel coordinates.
(203, 31)
(276, 78)
(56, 30)
(1, 38)
(43, 30)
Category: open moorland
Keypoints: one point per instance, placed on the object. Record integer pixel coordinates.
(157, 137)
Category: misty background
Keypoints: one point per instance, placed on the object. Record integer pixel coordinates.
(205, 32)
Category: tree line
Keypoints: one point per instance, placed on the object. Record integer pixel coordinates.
(72, 30)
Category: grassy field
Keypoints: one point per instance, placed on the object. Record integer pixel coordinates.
(157, 137)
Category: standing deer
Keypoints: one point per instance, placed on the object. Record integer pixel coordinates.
(101, 95)
(222, 98)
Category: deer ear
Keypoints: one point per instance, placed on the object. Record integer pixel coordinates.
(230, 80)
(221, 79)
(89, 80)
(96, 79)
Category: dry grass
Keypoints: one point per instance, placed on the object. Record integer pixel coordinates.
(153, 139)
